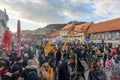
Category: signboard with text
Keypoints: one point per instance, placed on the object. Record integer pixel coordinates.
(87, 37)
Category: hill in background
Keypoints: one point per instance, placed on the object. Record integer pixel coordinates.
(49, 28)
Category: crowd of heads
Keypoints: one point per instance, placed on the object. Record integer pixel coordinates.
(90, 53)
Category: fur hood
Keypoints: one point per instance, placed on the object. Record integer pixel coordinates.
(31, 67)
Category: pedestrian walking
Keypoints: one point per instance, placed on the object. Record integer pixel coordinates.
(96, 73)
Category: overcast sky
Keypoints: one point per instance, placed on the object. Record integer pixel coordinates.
(38, 13)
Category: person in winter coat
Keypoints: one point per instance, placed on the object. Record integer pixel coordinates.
(12, 57)
(58, 57)
(118, 50)
(105, 56)
(65, 68)
(4, 72)
(17, 68)
(51, 58)
(41, 59)
(29, 68)
(112, 53)
(25, 60)
(96, 73)
(34, 50)
(101, 63)
(63, 71)
(115, 69)
(107, 64)
(33, 76)
(80, 69)
(28, 50)
(5, 58)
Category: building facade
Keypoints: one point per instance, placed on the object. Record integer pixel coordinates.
(107, 33)
(64, 32)
(78, 32)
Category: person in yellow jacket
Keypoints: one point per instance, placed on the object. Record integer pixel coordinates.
(49, 70)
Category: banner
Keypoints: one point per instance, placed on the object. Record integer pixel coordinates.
(64, 46)
(47, 48)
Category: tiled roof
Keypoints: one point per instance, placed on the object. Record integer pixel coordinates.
(68, 26)
(55, 33)
(82, 27)
(110, 25)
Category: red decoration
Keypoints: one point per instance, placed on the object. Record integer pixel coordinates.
(7, 40)
(18, 39)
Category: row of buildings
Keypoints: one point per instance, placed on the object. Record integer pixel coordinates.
(3, 22)
(107, 32)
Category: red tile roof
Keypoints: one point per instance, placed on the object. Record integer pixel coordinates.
(110, 25)
(82, 27)
(56, 32)
(68, 26)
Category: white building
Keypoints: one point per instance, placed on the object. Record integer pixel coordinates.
(107, 32)
(65, 31)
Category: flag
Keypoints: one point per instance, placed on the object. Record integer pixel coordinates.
(47, 48)
(18, 39)
(64, 46)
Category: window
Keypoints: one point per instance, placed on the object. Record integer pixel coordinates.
(113, 35)
(106, 35)
(98, 35)
(117, 34)
(103, 36)
(64, 32)
(92, 36)
(109, 35)
(95, 36)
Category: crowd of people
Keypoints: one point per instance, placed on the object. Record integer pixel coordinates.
(61, 63)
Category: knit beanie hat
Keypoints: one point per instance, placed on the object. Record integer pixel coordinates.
(19, 58)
